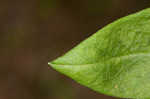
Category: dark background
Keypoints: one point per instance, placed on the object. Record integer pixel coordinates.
(33, 32)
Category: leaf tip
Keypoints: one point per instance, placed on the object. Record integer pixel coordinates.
(51, 64)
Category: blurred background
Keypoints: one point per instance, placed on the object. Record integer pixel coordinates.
(33, 32)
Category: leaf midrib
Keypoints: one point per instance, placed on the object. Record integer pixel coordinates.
(123, 56)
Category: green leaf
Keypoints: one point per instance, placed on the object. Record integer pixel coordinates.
(114, 61)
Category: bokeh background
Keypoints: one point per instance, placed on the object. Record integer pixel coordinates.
(33, 32)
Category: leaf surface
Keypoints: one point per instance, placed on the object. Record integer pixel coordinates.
(114, 61)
